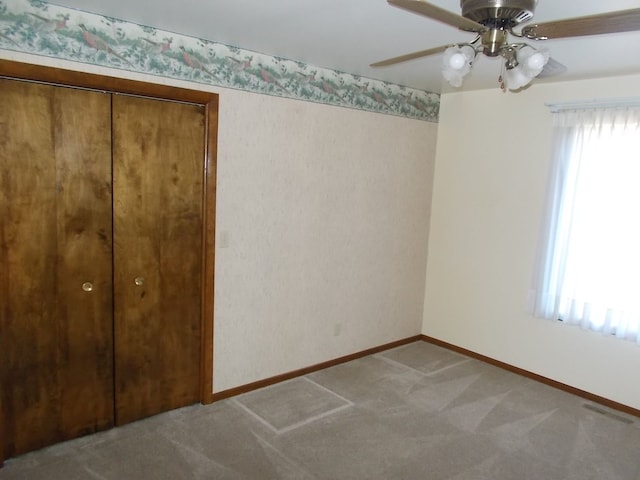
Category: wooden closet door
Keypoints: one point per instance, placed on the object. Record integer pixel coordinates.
(55, 261)
(158, 158)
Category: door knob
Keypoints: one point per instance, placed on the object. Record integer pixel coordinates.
(87, 286)
(139, 281)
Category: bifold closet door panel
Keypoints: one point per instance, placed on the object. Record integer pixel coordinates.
(158, 158)
(56, 350)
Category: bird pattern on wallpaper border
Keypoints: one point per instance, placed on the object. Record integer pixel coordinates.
(36, 27)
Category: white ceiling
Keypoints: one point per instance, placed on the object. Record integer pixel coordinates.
(348, 35)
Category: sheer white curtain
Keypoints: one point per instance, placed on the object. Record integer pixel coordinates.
(589, 272)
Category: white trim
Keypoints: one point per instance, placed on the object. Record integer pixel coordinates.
(556, 107)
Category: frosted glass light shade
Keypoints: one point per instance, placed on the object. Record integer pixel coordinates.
(530, 64)
(517, 78)
(456, 63)
(536, 61)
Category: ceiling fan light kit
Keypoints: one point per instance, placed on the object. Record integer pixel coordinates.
(456, 63)
(522, 64)
(493, 21)
(528, 65)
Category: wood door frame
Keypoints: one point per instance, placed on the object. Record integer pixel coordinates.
(72, 78)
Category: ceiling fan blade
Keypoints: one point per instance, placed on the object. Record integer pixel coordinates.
(431, 11)
(611, 22)
(551, 69)
(410, 56)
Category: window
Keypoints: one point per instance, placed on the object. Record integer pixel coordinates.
(590, 268)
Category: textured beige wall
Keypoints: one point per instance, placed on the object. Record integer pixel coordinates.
(322, 219)
(326, 212)
(491, 169)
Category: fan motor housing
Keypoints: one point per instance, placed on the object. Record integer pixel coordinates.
(502, 14)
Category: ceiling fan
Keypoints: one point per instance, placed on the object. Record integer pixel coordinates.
(493, 21)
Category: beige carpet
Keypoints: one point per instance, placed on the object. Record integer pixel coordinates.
(414, 412)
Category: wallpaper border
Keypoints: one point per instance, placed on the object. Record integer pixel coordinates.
(45, 29)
